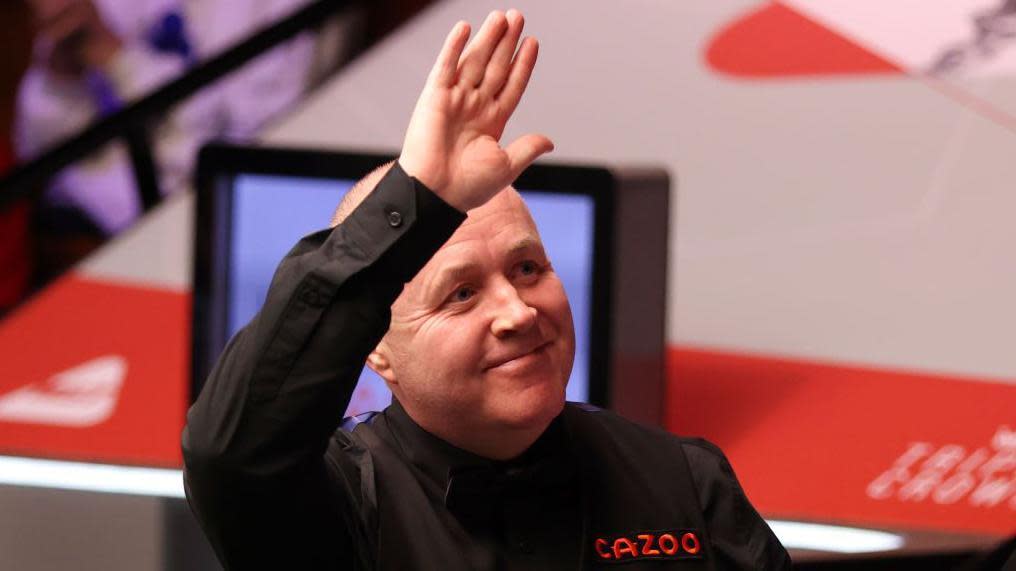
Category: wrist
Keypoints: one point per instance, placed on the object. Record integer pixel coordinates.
(419, 170)
(433, 181)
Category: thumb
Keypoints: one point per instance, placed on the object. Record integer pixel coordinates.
(526, 149)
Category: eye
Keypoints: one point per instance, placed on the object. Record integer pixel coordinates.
(528, 270)
(462, 294)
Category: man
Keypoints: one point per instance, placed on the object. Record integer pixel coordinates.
(478, 463)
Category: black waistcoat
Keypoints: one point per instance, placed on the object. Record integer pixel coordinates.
(640, 507)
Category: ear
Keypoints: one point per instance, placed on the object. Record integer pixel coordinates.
(380, 362)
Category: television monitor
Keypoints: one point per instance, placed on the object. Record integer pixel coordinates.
(255, 203)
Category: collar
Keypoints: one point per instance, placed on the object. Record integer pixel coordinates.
(451, 470)
(428, 453)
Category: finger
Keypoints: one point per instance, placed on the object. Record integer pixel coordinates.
(474, 62)
(518, 77)
(501, 60)
(526, 149)
(443, 72)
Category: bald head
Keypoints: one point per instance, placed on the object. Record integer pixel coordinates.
(358, 192)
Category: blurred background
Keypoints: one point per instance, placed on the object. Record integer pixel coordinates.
(52, 91)
(842, 256)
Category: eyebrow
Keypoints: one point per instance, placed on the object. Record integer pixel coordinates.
(525, 244)
(449, 275)
(462, 271)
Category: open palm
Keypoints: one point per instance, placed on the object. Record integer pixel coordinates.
(453, 141)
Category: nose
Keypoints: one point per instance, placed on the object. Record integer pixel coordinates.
(512, 314)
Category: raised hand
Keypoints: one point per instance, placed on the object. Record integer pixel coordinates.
(453, 141)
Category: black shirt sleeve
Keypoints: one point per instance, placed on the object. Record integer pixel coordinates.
(740, 537)
(255, 439)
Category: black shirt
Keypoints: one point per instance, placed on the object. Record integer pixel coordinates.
(278, 480)
(499, 502)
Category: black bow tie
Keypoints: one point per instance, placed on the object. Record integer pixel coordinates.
(476, 492)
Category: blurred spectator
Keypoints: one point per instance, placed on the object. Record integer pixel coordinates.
(93, 56)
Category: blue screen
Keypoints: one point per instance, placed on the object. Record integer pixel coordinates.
(271, 213)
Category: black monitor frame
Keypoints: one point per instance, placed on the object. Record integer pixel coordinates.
(219, 163)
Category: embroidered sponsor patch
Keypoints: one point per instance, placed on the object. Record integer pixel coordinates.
(648, 545)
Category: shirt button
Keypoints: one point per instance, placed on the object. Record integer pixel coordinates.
(311, 297)
(395, 219)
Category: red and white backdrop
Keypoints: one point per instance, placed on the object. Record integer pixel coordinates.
(841, 314)
(96, 370)
(870, 378)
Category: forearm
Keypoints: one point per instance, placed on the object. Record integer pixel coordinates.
(280, 387)
(263, 420)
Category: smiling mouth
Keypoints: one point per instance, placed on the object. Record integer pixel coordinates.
(520, 360)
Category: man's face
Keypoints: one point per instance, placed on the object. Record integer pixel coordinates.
(482, 337)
